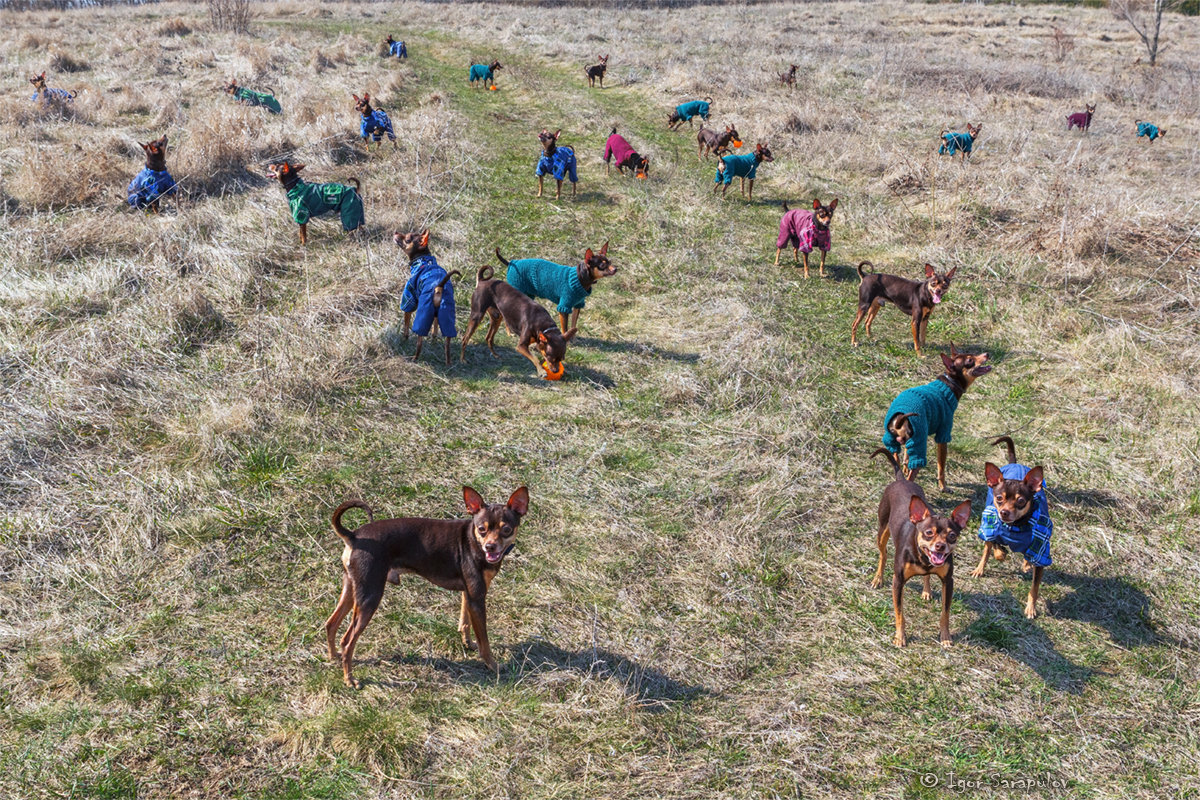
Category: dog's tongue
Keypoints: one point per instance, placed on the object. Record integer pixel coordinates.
(937, 558)
(937, 298)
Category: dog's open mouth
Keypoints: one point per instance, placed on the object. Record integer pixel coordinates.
(492, 558)
(937, 298)
(936, 558)
(982, 369)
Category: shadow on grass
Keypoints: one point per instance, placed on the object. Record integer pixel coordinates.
(638, 348)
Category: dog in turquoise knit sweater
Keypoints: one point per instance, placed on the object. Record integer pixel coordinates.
(566, 286)
(923, 410)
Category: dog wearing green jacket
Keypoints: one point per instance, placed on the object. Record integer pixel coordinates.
(252, 98)
(564, 285)
(308, 200)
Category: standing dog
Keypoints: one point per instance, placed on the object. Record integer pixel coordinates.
(685, 111)
(557, 161)
(597, 72)
(375, 121)
(717, 143)
(154, 181)
(955, 142)
(42, 92)
(462, 555)
(308, 200)
(523, 318)
(1081, 119)
(396, 48)
(485, 73)
(1149, 130)
(568, 287)
(923, 410)
(803, 229)
(915, 298)
(428, 294)
(250, 97)
(1017, 518)
(924, 546)
(617, 148)
(788, 78)
(744, 167)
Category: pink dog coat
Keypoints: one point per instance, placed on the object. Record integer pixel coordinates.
(798, 229)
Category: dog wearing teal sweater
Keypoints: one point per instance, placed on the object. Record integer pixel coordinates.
(485, 73)
(744, 167)
(308, 200)
(685, 111)
(250, 97)
(923, 410)
(564, 285)
(1149, 130)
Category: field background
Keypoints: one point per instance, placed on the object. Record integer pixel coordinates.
(185, 398)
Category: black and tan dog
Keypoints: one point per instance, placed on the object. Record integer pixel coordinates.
(788, 78)
(924, 546)
(711, 141)
(915, 298)
(596, 72)
(462, 555)
(50, 95)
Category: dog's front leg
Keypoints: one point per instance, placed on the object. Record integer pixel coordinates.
(523, 349)
(540, 179)
(408, 315)
(558, 191)
(750, 192)
(947, 595)
(562, 321)
(303, 234)
(447, 351)
(1031, 603)
(477, 610)
(926, 590)
(941, 465)
(916, 340)
(464, 626)
(574, 320)
(806, 265)
(420, 343)
(987, 551)
(822, 263)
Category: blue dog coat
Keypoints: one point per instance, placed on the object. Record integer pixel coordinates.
(398, 50)
(536, 277)
(934, 405)
(685, 111)
(376, 124)
(482, 72)
(955, 142)
(149, 185)
(558, 165)
(424, 276)
(1031, 537)
(743, 166)
(1146, 129)
(63, 96)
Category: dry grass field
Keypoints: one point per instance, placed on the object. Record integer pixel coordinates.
(186, 397)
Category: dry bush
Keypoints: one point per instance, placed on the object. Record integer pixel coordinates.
(196, 322)
(63, 61)
(33, 41)
(174, 27)
(22, 111)
(229, 15)
(320, 62)
(55, 177)
(1061, 44)
(260, 60)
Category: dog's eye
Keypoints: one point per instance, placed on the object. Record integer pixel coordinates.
(506, 531)
(1020, 502)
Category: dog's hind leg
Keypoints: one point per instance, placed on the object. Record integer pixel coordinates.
(854, 328)
(881, 539)
(491, 334)
(471, 326)
(363, 611)
(344, 604)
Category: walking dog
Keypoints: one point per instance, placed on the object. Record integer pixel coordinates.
(915, 298)
(923, 410)
(428, 299)
(1081, 119)
(744, 167)
(596, 72)
(396, 48)
(788, 78)
(803, 229)
(685, 111)
(375, 121)
(462, 555)
(1148, 130)
(46, 94)
(484, 72)
(618, 149)
(1017, 518)
(252, 98)
(711, 141)
(925, 545)
(557, 161)
(961, 143)
(154, 181)
(567, 287)
(308, 200)
(523, 318)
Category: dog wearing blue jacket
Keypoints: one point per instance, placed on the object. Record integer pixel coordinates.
(685, 111)
(154, 181)
(396, 48)
(375, 121)
(483, 72)
(568, 287)
(557, 161)
(1017, 518)
(961, 143)
(47, 95)
(428, 299)
(744, 167)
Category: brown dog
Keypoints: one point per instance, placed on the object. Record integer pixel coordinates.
(596, 72)
(522, 317)
(924, 546)
(462, 555)
(915, 298)
(788, 78)
(716, 143)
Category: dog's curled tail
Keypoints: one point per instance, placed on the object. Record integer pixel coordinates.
(502, 261)
(357, 185)
(861, 264)
(271, 91)
(614, 130)
(1012, 448)
(73, 93)
(708, 100)
(891, 457)
(449, 276)
(484, 274)
(942, 135)
(347, 535)
(785, 207)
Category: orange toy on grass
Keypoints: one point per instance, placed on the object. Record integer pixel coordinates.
(492, 88)
(554, 376)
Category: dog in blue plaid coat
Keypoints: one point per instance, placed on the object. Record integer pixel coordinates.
(1017, 518)
(375, 121)
(44, 94)
(154, 181)
(396, 48)
(556, 161)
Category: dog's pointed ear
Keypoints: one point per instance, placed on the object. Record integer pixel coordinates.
(917, 510)
(569, 335)
(356, 98)
(961, 514)
(42, 77)
(833, 205)
(929, 270)
(366, 97)
(519, 502)
(424, 241)
(588, 255)
(557, 132)
(953, 349)
(1034, 479)
(604, 248)
(297, 167)
(992, 475)
(473, 500)
(950, 274)
(948, 361)
(145, 146)
(816, 203)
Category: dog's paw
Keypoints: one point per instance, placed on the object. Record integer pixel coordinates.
(899, 640)
(876, 583)
(946, 643)
(353, 683)
(977, 572)
(926, 595)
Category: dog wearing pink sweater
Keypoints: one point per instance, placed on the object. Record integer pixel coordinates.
(619, 149)
(803, 229)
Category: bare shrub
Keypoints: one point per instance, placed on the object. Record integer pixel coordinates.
(65, 62)
(1145, 17)
(196, 322)
(229, 15)
(1061, 44)
(174, 27)
(320, 62)
(51, 177)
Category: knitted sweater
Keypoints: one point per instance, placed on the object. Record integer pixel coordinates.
(482, 72)
(953, 142)
(308, 200)
(559, 283)
(149, 185)
(560, 164)
(264, 99)
(743, 166)
(1146, 129)
(616, 147)
(1030, 537)
(798, 227)
(376, 124)
(686, 111)
(934, 405)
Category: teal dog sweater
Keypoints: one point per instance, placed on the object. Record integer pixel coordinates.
(536, 277)
(934, 405)
(481, 72)
(743, 166)
(264, 99)
(308, 200)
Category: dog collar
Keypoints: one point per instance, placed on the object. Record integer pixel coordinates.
(954, 385)
(551, 328)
